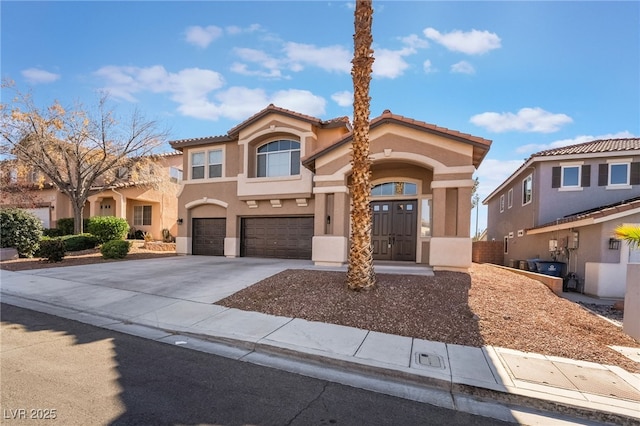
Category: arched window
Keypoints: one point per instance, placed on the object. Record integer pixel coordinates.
(389, 189)
(279, 158)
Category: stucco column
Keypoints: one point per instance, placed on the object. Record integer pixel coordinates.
(341, 214)
(94, 206)
(464, 212)
(439, 211)
(320, 214)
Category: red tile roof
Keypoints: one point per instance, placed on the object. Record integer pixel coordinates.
(597, 146)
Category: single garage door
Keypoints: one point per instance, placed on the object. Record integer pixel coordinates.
(208, 236)
(278, 237)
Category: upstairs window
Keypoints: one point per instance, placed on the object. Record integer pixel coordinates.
(197, 165)
(206, 163)
(510, 198)
(279, 158)
(527, 190)
(618, 174)
(501, 203)
(175, 174)
(570, 176)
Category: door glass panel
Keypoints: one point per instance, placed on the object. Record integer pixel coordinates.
(385, 208)
(409, 207)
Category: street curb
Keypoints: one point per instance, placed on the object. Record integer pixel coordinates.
(426, 383)
(477, 393)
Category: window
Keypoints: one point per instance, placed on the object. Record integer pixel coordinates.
(619, 174)
(394, 188)
(141, 215)
(215, 163)
(211, 161)
(197, 165)
(570, 176)
(425, 219)
(527, 190)
(175, 174)
(279, 158)
(506, 245)
(501, 203)
(510, 198)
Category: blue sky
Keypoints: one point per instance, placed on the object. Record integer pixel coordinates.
(526, 75)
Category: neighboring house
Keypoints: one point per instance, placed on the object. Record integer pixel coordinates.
(276, 185)
(563, 204)
(145, 208)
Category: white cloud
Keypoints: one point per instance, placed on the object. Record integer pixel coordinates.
(235, 30)
(492, 173)
(428, 67)
(189, 86)
(473, 42)
(331, 58)
(390, 63)
(38, 76)
(301, 101)
(415, 41)
(202, 36)
(463, 67)
(531, 148)
(344, 98)
(534, 120)
(259, 57)
(193, 89)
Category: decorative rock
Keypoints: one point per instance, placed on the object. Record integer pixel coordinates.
(618, 306)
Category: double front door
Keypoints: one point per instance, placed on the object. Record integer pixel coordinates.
(394, 230)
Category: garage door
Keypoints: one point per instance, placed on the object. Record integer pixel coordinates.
(43, 214)
(278, 237)
(208, 236)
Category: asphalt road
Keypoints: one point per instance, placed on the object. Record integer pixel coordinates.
(57, 371)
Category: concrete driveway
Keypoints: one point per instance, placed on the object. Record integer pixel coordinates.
(204, 279)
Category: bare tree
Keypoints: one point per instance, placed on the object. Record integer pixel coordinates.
(360, 273)
(80, 151)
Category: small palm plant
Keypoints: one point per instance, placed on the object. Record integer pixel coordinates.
(629, 233)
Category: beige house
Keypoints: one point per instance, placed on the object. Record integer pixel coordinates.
(145, 208)
(277, 185)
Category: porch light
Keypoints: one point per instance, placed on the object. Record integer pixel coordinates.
(614, 244)
(179, 221)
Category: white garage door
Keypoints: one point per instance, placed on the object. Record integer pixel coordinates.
(42, 213)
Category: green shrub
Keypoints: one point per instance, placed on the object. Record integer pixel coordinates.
(66, 225)
(107, 228)
(20, 229)
(80, 242)
(115, 249)
(52, 232)
(52, 249)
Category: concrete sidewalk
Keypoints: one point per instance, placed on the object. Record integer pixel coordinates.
(171, 300)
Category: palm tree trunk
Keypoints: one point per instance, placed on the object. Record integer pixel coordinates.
(360, 273)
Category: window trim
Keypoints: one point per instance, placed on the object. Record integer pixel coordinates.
(524, 200)
(510, 198)
(502, 203)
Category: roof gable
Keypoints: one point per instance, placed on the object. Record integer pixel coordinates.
(480, 145)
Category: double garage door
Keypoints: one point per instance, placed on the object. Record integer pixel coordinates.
(274, 237)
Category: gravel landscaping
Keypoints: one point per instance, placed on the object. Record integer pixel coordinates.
(488, 306)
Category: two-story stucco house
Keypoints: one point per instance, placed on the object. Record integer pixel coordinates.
(145, 207)
(563, 204)
(277, 185)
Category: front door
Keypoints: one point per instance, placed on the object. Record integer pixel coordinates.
(394, 230)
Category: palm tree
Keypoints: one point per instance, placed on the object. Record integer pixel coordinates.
(360, 273)
(629, 233)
